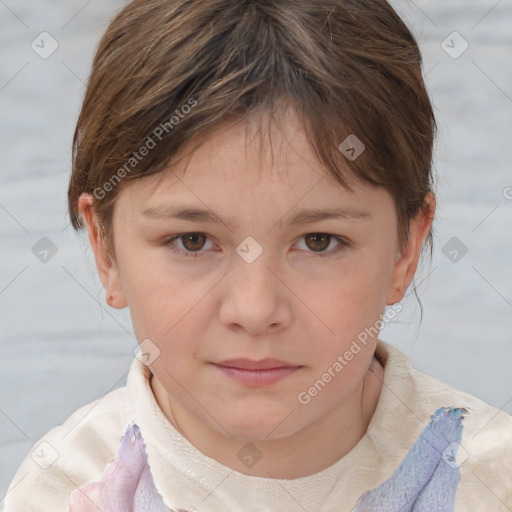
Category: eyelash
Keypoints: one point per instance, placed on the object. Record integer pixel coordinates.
(169, 242)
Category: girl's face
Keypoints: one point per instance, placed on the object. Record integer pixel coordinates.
(256, 276)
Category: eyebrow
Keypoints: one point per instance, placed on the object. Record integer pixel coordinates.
(303, 217)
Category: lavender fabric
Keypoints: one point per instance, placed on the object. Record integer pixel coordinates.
(126, 483)
(428, 477)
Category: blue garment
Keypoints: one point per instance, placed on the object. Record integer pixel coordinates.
(427, 479)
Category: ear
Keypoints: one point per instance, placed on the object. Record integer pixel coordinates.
(107, 268)
(407, 262)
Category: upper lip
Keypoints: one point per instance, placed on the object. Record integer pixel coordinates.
(249, 364)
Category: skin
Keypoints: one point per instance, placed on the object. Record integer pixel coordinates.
(290, 303)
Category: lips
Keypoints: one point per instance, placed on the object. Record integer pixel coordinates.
(249, 364)
(256, 373)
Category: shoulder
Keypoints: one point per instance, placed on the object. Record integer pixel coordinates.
(484, 454)
(69, 455)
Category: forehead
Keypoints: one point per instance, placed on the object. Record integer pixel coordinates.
(250, 165)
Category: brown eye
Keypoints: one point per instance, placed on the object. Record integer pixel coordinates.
(319, 244)
(319, 241)
(193, 241)
(188, 244)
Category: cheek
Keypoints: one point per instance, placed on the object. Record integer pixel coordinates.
(156, 296)
(174, 313)
(356, 299)
(351, 308)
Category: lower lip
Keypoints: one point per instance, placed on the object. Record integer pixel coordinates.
(258, 377)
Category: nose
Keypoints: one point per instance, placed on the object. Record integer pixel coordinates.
(255, 298)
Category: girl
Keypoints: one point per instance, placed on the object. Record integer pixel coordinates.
(255, 180)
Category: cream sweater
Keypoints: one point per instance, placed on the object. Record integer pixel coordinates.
(76, 452)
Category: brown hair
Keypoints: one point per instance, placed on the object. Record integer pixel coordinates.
(170, 71)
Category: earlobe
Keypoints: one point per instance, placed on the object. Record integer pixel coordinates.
(114, 301)
(108, 271)
(407, 262)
